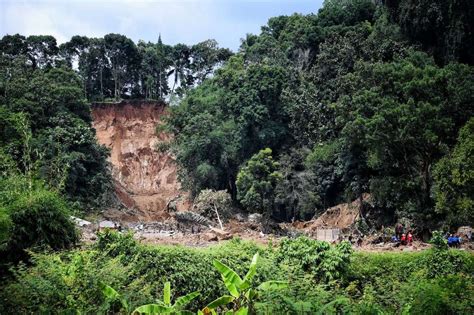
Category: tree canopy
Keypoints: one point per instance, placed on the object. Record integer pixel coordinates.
(352, 100)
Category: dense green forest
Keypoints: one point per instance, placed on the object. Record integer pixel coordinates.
(360, 98)
(363, 97)
(355, 99)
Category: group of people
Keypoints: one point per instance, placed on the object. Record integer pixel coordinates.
(401, 237)
(404, 239)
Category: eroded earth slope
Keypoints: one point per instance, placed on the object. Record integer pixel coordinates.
(145, 179)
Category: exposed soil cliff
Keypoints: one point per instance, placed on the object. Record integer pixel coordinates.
(145, 179)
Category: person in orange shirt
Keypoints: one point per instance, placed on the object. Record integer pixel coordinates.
(403, 240)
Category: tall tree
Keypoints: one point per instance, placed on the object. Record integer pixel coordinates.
(454, 180)
(256, 183)
(180, 71)
(155, 64)
(124, 59)
(42, 50)
(205, 58)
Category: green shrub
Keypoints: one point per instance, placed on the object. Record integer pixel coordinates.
(443, 262)
(439, 241)
(110, 243)
(39, 219)
(452, 294)
(72, 281)
(5, 225)
(397, 279)
(325, 262)
(384, 273)
(304, 295)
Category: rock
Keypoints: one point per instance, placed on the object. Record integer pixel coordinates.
(465, 232)
(81, 222)
(107, 224)
(210, 237)
(221, 233)
(408, 249)
(239, 217)
(255, 218)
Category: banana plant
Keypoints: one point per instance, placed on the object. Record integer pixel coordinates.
(242, 294)
(111, 295)
(165, 306)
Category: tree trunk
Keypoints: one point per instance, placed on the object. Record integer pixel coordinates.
(159, 85)
(101, 83)
(174, 84)
(218, 218)
(426, 181)
(232, 187)
(116, 85)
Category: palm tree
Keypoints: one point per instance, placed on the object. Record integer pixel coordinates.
(180, 60)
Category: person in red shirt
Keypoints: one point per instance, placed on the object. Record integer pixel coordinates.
(410, 238)
(403, 240)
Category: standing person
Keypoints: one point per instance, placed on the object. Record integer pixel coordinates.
(403, 240)
(451, 240)
(410, 238)
(398, 230)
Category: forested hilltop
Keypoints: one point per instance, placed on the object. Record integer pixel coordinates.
(359, 98)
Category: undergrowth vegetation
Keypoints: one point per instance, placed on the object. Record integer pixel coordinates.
(319, 278)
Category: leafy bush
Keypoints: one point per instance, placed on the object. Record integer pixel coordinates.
(440, 260)
(209, 201)
(72, 281)
(439, 241)
(5, 225)
(445, 295)
(443, 262)
(113, 244)
(318, 258)
(394, 277)
(38, 218)
(256, 182)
